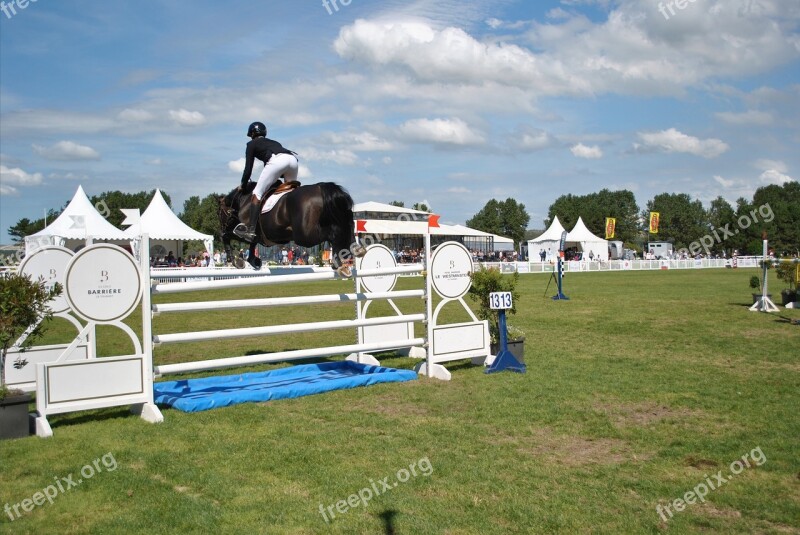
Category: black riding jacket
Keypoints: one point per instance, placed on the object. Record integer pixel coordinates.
(262, 148)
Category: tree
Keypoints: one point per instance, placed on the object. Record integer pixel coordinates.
(682, 220)
(421, 206)
(721, 220)
(399, 204)
(776, 211)
(25, 227)
(594, 208)
(110, 203)
(203, 216)
(507, 218)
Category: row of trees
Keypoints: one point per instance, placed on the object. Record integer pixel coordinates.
(683, 221)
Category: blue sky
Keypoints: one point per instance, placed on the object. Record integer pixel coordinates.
(447, 102)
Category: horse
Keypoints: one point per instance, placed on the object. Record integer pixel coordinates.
(307, 215)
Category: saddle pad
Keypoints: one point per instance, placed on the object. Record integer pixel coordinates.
(272, 201)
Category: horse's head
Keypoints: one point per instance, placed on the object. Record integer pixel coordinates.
(228, 213)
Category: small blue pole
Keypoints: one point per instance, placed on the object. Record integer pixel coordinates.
(504, 360)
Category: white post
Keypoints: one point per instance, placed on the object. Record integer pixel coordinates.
(148, 411)
(764, 303)
(428, 305)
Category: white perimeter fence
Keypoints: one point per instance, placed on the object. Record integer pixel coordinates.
(221, 273)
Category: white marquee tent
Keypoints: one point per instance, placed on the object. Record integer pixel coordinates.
(166, 231)
(79, 220)
(587, 242)
(549, 241)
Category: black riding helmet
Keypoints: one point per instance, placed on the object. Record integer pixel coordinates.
(257, 129)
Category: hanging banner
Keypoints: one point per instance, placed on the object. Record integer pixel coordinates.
(611, 227)
(654, 219)
(563, 242)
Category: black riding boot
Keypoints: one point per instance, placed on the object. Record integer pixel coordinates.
(248, 233)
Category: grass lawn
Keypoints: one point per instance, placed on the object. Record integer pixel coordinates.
(645, 386)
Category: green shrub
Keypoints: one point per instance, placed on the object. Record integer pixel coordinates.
(23, 303)
(486, 281)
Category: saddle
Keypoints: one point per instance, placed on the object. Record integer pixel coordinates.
(246, 195)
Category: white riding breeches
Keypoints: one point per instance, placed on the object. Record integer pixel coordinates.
(280, 164)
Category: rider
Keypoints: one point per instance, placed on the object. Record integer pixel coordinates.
(278, 162)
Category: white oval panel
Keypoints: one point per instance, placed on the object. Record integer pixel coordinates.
(50, 264)
(378, 257)
(103, 283)
(450, 270)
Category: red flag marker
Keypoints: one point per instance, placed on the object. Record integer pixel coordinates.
(361, 225)
(433, 221)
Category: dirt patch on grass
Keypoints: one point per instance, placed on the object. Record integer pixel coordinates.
(571, 451)
(709, 509)
(642, 414)
(396, 405)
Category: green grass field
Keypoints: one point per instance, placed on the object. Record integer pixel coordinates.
(643, 387)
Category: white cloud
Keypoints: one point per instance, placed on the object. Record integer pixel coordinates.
(751, 117)
(775, 177)
(14, 176)
(66, 150)
(458, 190)
(8, 191)
(237, 166)
(672, 140)
(341, 157)
(532, 140)
(767, 165)
(582, 151)
(494, 23)
(450, 55)
(358, 141)
(441, 131)
(187, 118)
(135, 115)
(725, 183)
(633, 51)
(304, 172)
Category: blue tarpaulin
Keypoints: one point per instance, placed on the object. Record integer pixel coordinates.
(195, 395)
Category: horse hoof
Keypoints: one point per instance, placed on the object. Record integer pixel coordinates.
(238, 263)
(344, 271)
(255, 262)
(359, 251)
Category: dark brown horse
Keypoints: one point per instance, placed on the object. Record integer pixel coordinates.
(307, 215)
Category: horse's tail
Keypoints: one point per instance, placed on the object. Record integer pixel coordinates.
(337, 215)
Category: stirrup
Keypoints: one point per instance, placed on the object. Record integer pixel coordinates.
(248, 234)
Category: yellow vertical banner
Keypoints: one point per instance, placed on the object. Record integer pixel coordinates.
(654, 218)
(611, 227)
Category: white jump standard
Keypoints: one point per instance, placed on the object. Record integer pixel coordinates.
(104, 285)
